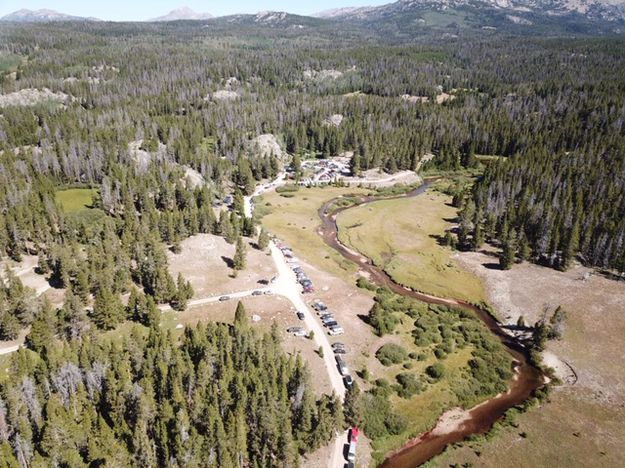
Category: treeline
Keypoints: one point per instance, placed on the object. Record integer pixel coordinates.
(552, 208)
(151, 401)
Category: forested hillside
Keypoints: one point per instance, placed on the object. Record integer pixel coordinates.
(153, 402)
(198, 98)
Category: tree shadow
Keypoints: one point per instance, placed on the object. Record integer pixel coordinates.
(228, 261)
(364, 318)
(492, 266)
(488, 253)
(455, 219)
(55, 281)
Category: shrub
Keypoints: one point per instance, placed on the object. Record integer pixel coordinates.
(409, 385)
(364, 283)
(379, 419)
(289, 188)
(391, 354)
(435, 371)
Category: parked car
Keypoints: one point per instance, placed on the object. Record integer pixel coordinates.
(335, 331)
(269, 292)
(309, 289)
(293, 329)
(353, 434)
(348, 381)
(258, 292)
(342, 366)
(301, 316)
(331, 324)
(338, 345)
(319, 306)
(300, 333)
(224, 298)
(326, 316)
(340, 351)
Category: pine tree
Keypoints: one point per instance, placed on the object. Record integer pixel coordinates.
(107, 309)
(571, 248)
(508, 254)
(354, 164)
(263, 239)
(352, 406)
(184, 292)
(240, 255)
(241, 320)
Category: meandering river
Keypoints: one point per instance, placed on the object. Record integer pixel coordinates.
(481, 418)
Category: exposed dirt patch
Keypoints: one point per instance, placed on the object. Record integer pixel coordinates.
(32, 97)
(377, 178)
(204, 262)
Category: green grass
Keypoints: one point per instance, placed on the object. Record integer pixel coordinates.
(401, 237)
(294, 219)
(76, 200)
(9, 63)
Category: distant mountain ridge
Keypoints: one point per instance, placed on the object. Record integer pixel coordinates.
(40, 16)
(606, 10)
(183, 13)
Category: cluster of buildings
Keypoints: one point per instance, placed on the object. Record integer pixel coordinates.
(322, 171)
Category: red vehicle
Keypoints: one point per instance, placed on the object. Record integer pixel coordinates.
(353, 435)
(309, 289)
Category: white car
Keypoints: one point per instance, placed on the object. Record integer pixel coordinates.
(336, 331)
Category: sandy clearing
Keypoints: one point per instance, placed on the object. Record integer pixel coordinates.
(450, 421)
(204, 261)
(377, 178)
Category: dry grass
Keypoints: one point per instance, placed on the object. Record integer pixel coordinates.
(401, 236)
(581, 425)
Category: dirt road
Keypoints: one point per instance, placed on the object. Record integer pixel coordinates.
(211, 299)
(286, 285)
(9, 349)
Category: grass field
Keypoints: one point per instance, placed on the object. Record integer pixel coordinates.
(401, 237)
(294, 219)
(75, 200)
(9, 62)
(422, 410)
